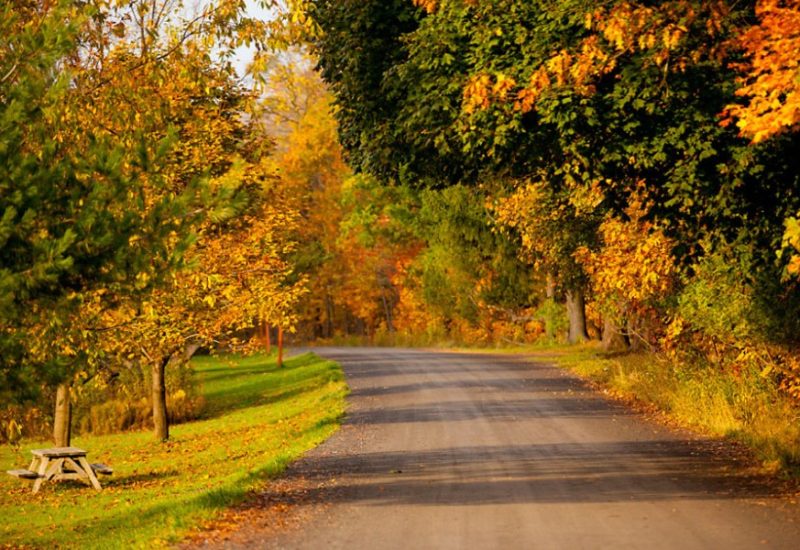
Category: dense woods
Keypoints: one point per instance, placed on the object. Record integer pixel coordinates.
(392, 172)
(639, 159)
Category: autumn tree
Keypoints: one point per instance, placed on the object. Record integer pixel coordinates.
(308, 165)
(234, 273)
(552, 228)
(71, 211)
(132, 164)
(469, 271)
(584, 97)
(632, 273)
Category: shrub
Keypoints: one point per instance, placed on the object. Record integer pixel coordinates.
(554, 316)
(112, 401)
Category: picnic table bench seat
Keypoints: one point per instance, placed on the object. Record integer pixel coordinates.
(102, 469)
(23, 474)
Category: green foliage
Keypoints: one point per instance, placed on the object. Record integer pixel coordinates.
(377, 213)
(555, 319)
(718, 301)
(467, 264)
(361, 41)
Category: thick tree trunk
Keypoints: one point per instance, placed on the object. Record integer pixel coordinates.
(576, 312)
(613, 339)
(280, 346)
(160, 418)
(62, 425)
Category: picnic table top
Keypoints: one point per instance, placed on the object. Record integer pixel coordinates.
(59, 452)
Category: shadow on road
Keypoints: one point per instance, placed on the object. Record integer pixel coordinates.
(574, 473)
(419, 388)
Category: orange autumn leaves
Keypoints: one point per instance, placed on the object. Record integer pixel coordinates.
(770, 81)
(770, 86)
(769, 77)
(626, 28)
(427, 5)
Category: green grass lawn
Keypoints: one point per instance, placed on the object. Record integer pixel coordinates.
(257, 419)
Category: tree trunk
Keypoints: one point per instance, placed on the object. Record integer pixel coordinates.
(638, 335)
(280, 346)
(613, 339)
(388, 312)
(160, 419)
(550, 286)
(62, 432)
(329, 320)
(189, 351)
(576, 311)
(267, 338)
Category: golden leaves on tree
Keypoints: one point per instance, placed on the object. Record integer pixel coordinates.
(770, 81)
(658, 32)
(634, 268)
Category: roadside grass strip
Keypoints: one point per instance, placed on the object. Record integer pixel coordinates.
(742, 406)
(257, 419)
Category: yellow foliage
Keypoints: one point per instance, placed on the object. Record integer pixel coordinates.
(791, 244)
(634, 268)
(482, 89)
(477, 93)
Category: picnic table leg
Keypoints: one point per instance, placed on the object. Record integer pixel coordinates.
(55, 468)
(89, 472)
(42, 470)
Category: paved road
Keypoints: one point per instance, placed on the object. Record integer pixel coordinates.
(451, 450)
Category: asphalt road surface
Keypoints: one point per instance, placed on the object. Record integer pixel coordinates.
(456, 450)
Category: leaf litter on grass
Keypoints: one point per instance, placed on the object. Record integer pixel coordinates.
(207, 466)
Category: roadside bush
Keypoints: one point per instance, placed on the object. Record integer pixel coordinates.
(554, 316)
(120, 415)
(120, 400)
(112, 401)
(719, 322)
(17, 422)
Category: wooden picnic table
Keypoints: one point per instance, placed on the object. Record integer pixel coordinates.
(60, 463)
